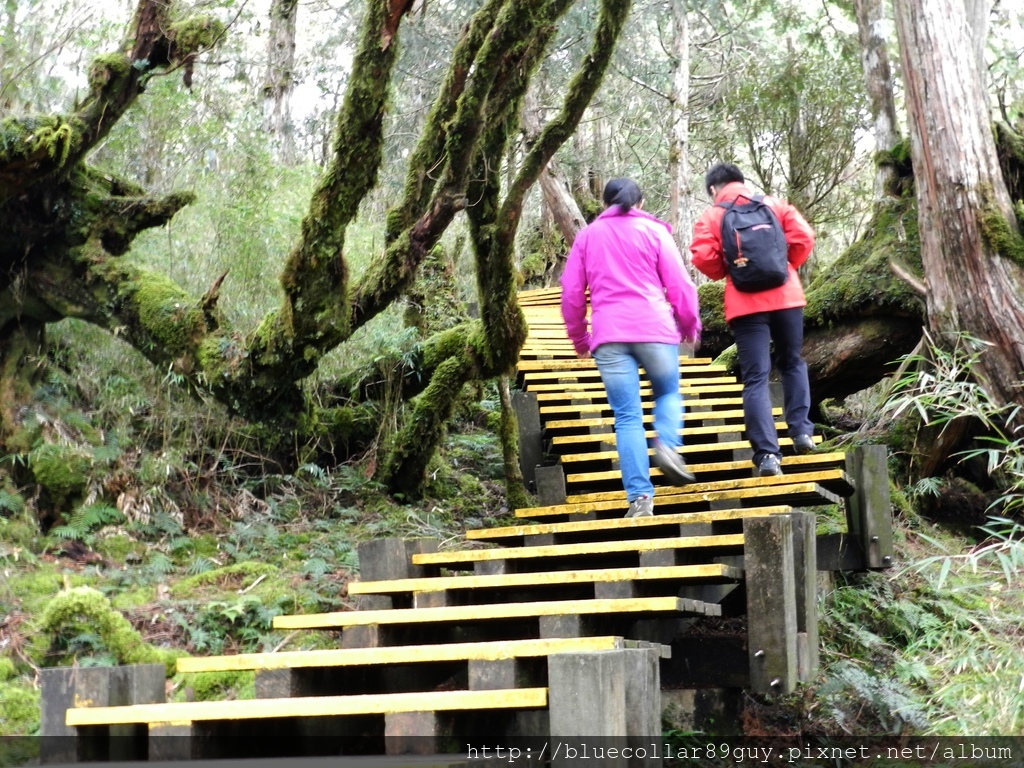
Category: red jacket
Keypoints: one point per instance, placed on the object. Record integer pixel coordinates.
(706, 252)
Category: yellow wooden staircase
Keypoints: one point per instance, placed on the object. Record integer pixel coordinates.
(502, 637)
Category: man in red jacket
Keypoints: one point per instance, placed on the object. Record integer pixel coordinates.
(759, 318)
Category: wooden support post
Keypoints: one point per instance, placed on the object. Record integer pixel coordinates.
(66, 687)
(868, 510)
(173, 741)
(391, 558)
(550, 485)
(419, 733)
(643, 695)
(492, 567)
(587, 694)
(494, 674)
(531, 443)
(771, 603)
(806, 586)
(439, 598)
(608, 694)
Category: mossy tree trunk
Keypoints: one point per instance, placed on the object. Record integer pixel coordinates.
(64, 225)
(971, 248)
(490, 347)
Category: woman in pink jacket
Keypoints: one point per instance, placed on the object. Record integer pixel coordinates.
(643, 303)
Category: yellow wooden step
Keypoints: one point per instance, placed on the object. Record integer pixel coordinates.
(690, 413)
(544, 578)
(571, 458)
(689, 416)
(313, 706)
(589, 364)
(623, 523)
(400, 654)
(495, 611)
(691, 393)
(597, 386)
(834, 478)
(824, 477)
(807, 463)
(599, 407)
(469, 556)
(554, 371)
(679, 496)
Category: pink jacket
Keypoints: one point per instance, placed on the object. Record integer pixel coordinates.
(706, 255)
(639, 289)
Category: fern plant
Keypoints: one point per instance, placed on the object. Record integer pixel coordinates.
(86, 521)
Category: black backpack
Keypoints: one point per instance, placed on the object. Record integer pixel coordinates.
(754, 245)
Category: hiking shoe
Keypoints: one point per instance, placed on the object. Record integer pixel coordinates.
(803, 444)
(672, 465)
(641, 507)
(769, 466)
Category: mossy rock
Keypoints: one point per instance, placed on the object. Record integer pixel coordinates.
(64, 470)
(230, 577)
(120, 548)
(85, 608)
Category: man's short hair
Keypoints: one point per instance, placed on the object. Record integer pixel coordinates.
(721, 174)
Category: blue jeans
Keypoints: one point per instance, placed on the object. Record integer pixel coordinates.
(619, 363)
(754, 336)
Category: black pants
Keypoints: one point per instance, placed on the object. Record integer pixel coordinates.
(754, 335)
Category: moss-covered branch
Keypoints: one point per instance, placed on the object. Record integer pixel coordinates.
(428, 157)
(581, 91)
(36, 148)
(315, 315)
(394, 272)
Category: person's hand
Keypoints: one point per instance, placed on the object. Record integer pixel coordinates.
(584, 355)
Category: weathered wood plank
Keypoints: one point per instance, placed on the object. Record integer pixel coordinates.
(314, 706)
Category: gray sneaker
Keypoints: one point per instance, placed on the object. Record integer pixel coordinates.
(769, 466)
(641, 507)
(803, 444)
(672, 464)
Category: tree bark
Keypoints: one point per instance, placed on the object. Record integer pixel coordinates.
(680, 194)
(280, 77)
(558, 200)
(971, 249)
(874, 57)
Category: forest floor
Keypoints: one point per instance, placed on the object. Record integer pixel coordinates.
(930, 646)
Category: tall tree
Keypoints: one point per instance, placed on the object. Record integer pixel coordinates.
(680, 198)
(64, 227)
(280, 78)
(971, 249)
(874, 55)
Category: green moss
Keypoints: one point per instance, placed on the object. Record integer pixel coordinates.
(106, 68)
(57, 137)
(83, 606)
(998, 233)
(19, 710)
(20, 530)
(166, 312)
(711, 297)
(35, 586)
(7, 670)
(195, 34)
(730, 359)
(130, 599)
(64, 470)
(119, 547)
(234, 576)
(215, 686)
(861, 282)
